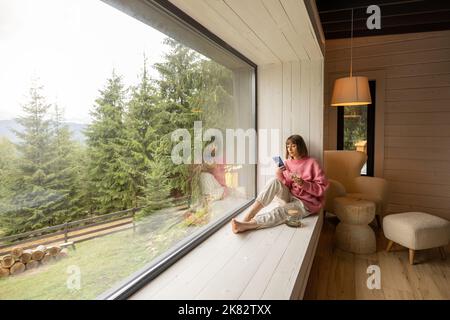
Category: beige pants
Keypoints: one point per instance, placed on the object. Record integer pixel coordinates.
(275, 188)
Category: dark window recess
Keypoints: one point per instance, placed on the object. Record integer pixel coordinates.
(356, 130)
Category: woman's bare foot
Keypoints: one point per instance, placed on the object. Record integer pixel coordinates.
(238, 226)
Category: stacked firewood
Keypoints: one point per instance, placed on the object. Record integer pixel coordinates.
(20, 259)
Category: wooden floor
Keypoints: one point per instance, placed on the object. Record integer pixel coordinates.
(336, 274)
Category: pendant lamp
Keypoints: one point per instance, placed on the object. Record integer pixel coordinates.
(351, 91)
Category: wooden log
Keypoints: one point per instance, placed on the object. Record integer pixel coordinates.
(17, 268)
(17, 252)
(7, 261)
(62, 254)
(53, 251)
(32, 264)
(26, 256)
(47, 258)
(42, 248)
(37, 254)
(4, 272)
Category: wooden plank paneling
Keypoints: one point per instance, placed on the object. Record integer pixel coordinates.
(422, 68)
(419, 188)
(284, 24)
(434, 118)
(305, 94)
(437, 105)
(297, 116)
(421, 200)
(418, 165)
(418, 94)
(290, 263)
(418, 130)
(270, 109)
(419, 153)
(258, 18)
(218, 17)
(423, 143)
(294, 9)
(316, 110)
(436, 177)
(427, 81)
(232, 275)
(286, 127)
(382, 40)
(388, 48)
(264, 273)
(435, 55)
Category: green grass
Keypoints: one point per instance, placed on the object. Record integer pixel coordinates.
(103, 262)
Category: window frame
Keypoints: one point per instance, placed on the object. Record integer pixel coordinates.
(133, 283)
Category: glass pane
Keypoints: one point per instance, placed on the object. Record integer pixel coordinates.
(355, 130)
(91, 188)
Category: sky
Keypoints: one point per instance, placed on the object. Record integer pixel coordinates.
(71, 47)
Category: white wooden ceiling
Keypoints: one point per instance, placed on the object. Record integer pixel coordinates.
(265, 31)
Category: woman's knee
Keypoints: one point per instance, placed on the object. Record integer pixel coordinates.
(274, 182)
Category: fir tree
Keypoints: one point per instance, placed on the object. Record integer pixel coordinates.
(140, 134)
(64, 172)
(34, 200)
(178, 83)
(8, 170)
(106, 140)
(158, 185)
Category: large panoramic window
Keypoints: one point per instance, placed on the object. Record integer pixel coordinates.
(124, 135)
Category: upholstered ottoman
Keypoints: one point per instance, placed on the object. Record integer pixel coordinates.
(353, 233)
(416, 231)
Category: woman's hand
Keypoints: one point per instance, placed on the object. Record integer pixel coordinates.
(280, 170)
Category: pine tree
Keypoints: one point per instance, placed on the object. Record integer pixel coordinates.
(140, 134)
(34, 200)
(178, 84)
(8, 170)
(158, 185)
(83, 182)
(64, 172)
(106, 140)
(214, 99)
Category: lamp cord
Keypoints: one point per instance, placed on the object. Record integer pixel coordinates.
(351, 48)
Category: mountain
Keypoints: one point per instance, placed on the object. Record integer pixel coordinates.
(7, 127)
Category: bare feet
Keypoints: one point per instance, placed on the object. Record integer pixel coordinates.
(238, 226)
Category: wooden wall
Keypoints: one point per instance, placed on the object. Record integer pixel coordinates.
(416, 69)
(290, 96)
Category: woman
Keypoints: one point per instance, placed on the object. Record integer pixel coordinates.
(301, 184)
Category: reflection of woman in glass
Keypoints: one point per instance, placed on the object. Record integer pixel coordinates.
(212, 178)
(300, 184)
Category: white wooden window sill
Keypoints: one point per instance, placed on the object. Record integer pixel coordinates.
(272, 263)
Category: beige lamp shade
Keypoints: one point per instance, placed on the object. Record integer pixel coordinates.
(351, 91)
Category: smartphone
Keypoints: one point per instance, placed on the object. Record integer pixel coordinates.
(278, 161)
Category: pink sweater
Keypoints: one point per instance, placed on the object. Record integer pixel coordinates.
(312, 193)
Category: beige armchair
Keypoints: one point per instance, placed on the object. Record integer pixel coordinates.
(343, 170)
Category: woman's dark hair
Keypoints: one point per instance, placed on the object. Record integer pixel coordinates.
(301, 145)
